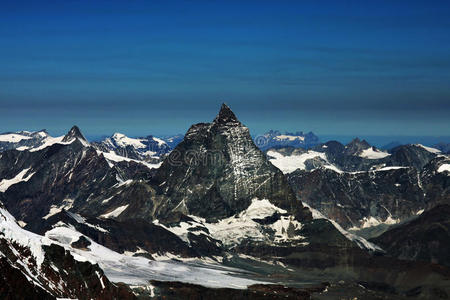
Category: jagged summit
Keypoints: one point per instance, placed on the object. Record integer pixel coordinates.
(361, 143)
(74, 133)
(217, 171)
(356, 146)
(226, 116)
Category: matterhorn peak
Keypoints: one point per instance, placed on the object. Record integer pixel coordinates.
(226, 116)
(75, 133)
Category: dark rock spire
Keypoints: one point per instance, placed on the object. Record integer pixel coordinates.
(226, 116)
(74, 133)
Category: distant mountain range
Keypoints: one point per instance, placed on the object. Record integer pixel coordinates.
(274, 138)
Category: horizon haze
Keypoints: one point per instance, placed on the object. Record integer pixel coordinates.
(356, 69)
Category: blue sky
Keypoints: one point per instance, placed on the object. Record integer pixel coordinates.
(139, 67)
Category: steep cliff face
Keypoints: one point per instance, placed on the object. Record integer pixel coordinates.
(217, 170)
(66, 173)
(361, 199)
(34, 267)
(425, 238)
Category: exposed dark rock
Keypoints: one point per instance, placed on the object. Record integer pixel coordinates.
(74, 133)
(82, 243)
(356, 146)
(81, 279)
(14, 284)
(410, 155)
(217, 170)
(181, 291)
(425, 238)
(349, 198)
(58, 274)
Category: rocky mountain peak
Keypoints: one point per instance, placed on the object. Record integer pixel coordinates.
(74, 133)
(217, 170)
(360, 143)
(226, 116)
(356, 146)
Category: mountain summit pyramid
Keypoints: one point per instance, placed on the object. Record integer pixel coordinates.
(226, 115)
(217, 170)
(75, 133)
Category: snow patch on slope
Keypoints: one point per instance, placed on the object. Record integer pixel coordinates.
(49, 141)
(361, 242)
(288, 164)
(123, 141)
(7, 183)
(14, 232)
(444, 168)
(119, 267)
(13, 137)
(113, 157)
(429, 149)
(139, 270)
(66, 205)
(82, 220)
(371, 153)
(371, 221)
(233, 230)
(115, 213)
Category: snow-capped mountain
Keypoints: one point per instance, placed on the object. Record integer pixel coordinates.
(274, 139)
(363, 188)
(41, 267)
(149, 148)
(35, 141)
(22, 140)
(226, 173)
(217, 212)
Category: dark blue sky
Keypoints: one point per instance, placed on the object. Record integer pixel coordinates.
(333, 67)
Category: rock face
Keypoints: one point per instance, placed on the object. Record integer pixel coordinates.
(32, 270)
(356, 199)
(360, 186)
(415, 156)
(356, 146)
(367, 199)
(15, 285)
(74, 134)
(217, 170)
(435, 180)
(425, 238)
(72, 176)
(180, 291)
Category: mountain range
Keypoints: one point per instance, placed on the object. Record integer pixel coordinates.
(217, 215)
